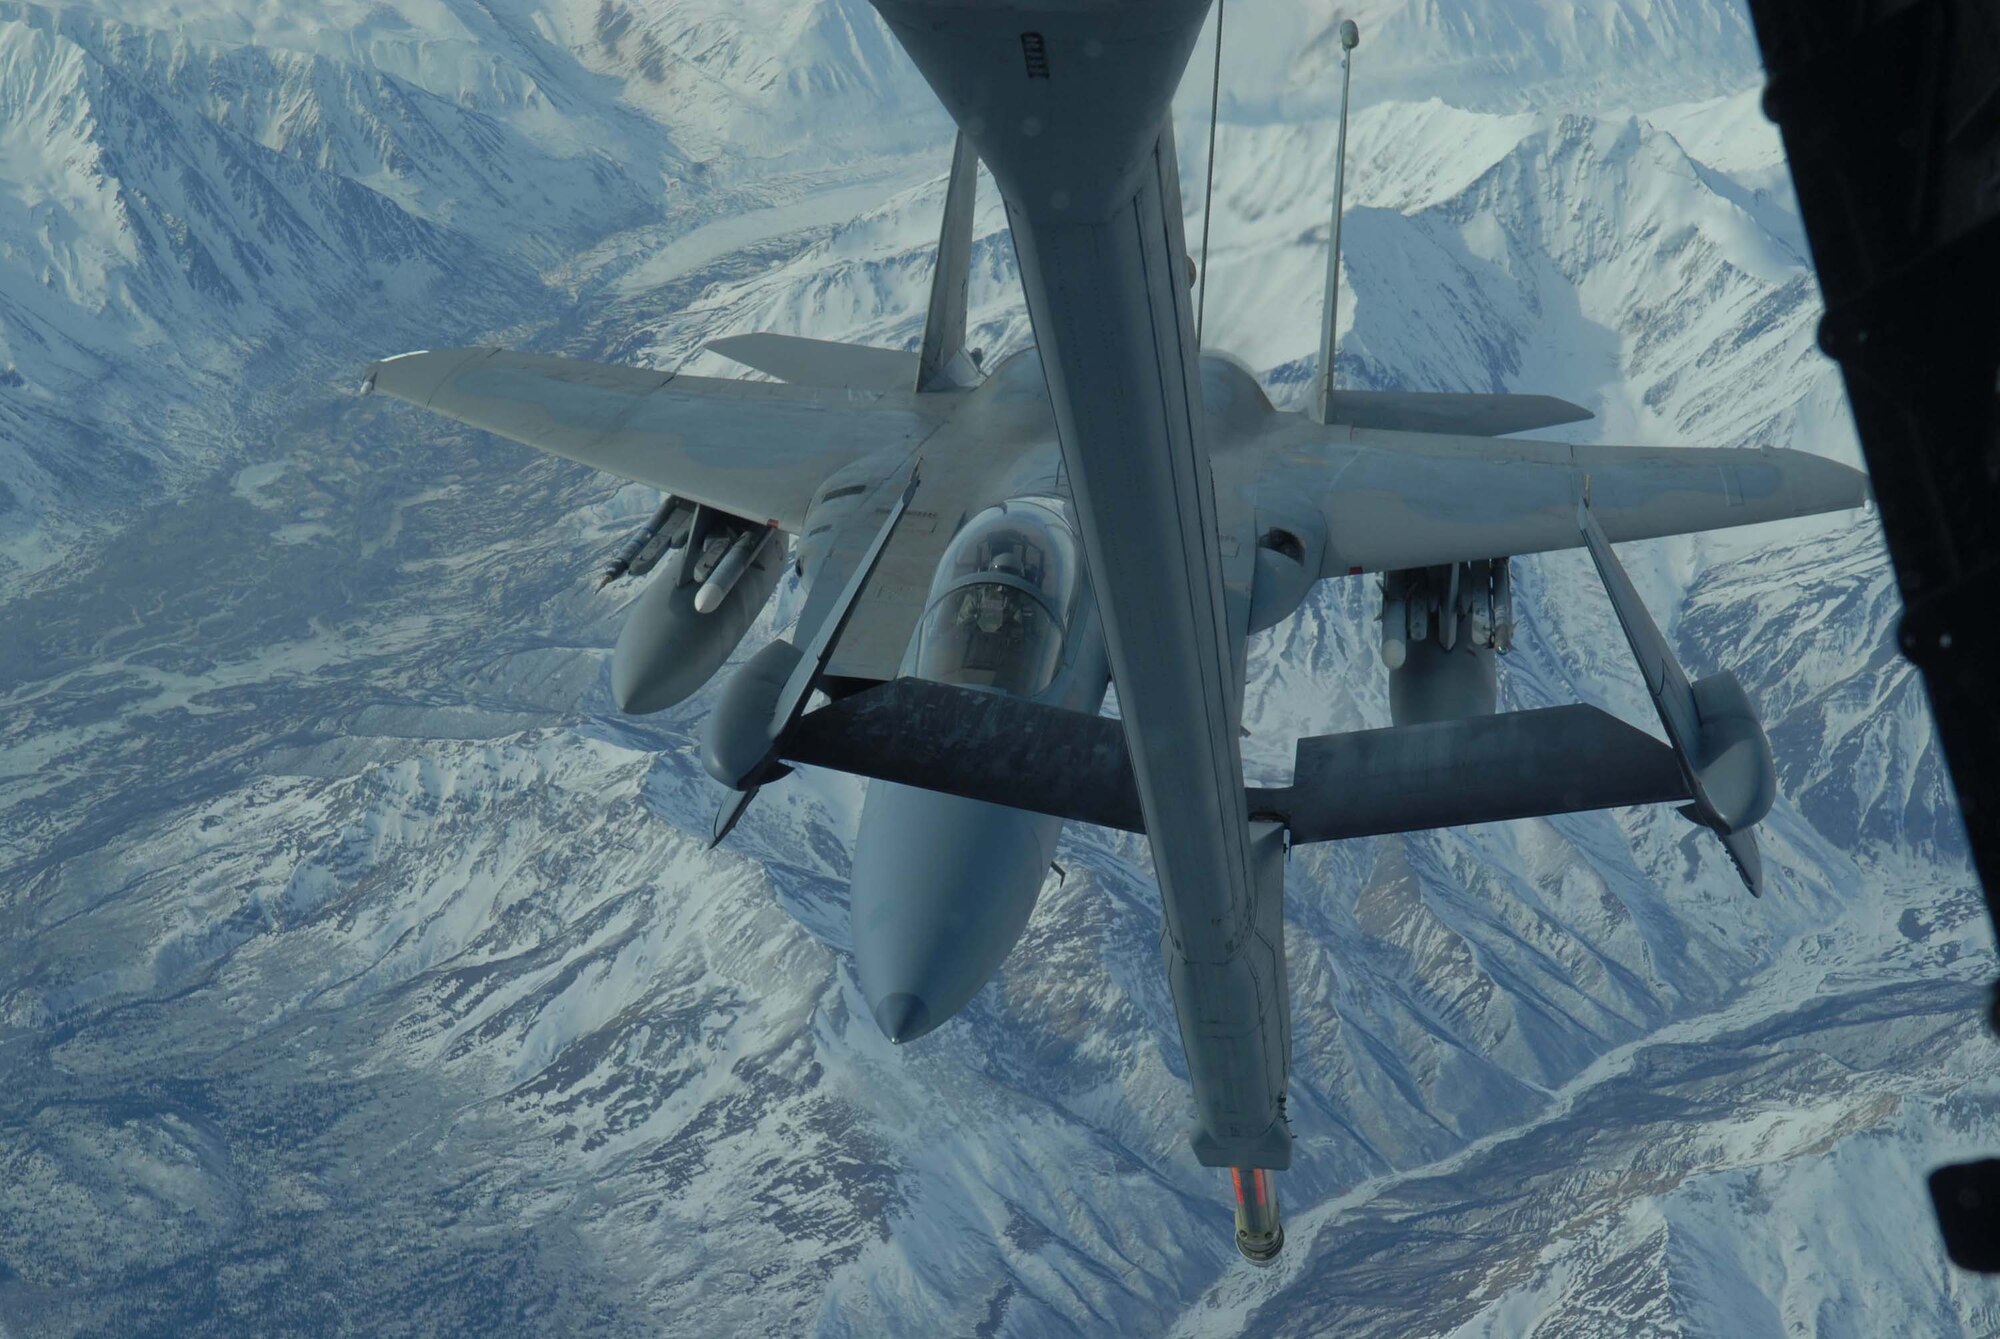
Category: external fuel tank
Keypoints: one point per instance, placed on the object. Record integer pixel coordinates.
(1433, 682)
(1441, 630)
(669, 646)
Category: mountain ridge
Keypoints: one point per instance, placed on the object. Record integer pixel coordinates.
(369, 970)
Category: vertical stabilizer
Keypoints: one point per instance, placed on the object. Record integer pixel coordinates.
(1322, 401)
(943, 364)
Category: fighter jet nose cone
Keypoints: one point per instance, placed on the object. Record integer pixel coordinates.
(902, 1017)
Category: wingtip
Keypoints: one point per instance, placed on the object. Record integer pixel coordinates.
(724, 343)
(731, 813)
(414, 377)
(1863, 487)
(1742, 848)
(1820, 485)
(1577, 413)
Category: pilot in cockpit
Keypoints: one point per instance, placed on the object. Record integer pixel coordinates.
(992, 607)
(994, 620)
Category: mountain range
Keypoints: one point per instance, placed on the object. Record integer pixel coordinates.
(365, 971)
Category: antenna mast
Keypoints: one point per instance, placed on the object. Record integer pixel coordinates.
(1208, 190)
(1350, 37)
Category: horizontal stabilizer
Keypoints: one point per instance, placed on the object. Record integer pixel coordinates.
(821, 362)
(1518, 764)
(981, 746)
(1002, 750)
(1464, 415)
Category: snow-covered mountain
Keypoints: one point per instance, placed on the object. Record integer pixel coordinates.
(364, 970)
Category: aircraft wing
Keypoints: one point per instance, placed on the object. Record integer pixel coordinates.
(821, 362)
(1399, 500)
(754, 449)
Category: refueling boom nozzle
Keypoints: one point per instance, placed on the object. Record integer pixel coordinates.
(1260, 1232)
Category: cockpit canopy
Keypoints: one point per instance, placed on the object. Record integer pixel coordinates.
(1001, 604)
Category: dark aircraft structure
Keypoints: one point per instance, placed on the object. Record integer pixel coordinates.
(1890, 111)
(989, 551)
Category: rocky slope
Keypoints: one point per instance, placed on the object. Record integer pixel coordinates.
(365, 971)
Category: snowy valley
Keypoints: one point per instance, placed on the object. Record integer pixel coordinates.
(364, 970)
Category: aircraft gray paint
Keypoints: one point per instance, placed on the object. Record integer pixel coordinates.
(988, 553)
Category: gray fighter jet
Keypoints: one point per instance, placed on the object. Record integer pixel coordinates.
(987, 552)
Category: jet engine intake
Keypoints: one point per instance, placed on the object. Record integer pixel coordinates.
(1441, 627)
(1283, 578)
